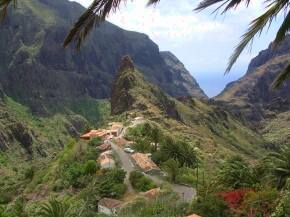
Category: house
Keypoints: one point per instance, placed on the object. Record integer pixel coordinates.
(193, 215)
(107, 162)
(104, 147)
(109, 206)
(121, 142)
(139, 118)
(151, 194)
(144, 162)
(108, 153)
(102, 133)
(116, 128)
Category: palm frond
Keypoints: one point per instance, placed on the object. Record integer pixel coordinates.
(94, 15)
(97, 13)
(283, 30)
(281, 78)
(256, 27)
(227, 4)
(4, 4)
(152, 2)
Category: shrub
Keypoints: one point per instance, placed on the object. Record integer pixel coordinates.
(140, 182)
(72, 172)
(95, 141)
(90, 167)
(210, 206)
(29, 173)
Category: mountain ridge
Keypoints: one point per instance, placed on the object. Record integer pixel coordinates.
(57, 76)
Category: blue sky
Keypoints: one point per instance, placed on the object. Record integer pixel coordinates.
(202, 41)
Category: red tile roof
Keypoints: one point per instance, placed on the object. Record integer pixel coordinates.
(121, 142)
(94, 133)
(152, 193)
(104, 147)
(144, 162)
(193, 215)
(110, 203)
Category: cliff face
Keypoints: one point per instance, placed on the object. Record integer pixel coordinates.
(37, 71)
(130, 91)
(252, 94)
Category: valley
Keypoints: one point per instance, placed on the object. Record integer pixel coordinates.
(121, 128)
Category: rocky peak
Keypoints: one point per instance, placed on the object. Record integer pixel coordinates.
(131, 91)
(269, 53)
(252, 94)
(126, 64)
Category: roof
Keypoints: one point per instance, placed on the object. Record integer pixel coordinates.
(104, 147)
(94, 133)
(106, 160)
(144, 162)
(110, 203)
(152, 193)
(193, 215)
(122, 142)
(116, 126)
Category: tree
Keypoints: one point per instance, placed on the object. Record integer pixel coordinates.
(171, 167)
(140, 182)
(236, 173)
(180, 151)
(260, 203)
(281, 165)
(55, 208)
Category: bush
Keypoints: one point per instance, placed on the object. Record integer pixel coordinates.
(95, 141)
(72, 172)
(90, 167)
(29, 173)
(210, 206)
(140, 182)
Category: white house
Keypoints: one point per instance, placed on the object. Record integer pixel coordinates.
(107, 162)
(109, 206)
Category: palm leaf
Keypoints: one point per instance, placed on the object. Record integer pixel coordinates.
(96, 14)
(256, 27)
(285, 74)
(283, 30)
(4, 4)
(229, 4)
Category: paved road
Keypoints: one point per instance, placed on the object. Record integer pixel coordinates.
(127, 164)
(186, 193)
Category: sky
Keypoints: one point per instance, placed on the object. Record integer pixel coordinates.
(203, 41)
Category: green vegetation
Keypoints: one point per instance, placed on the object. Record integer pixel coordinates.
(96, 111)
(140, 182)
(165, 205)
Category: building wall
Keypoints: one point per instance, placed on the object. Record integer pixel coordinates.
(104, 210)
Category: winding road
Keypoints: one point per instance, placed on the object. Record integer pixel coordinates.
(186, 193)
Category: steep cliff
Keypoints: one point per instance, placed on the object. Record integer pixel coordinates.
(252, 94)
(37, 71)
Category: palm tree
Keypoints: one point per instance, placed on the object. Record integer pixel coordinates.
(171, 167)
(281, 166)
(99, 10)
(55, 208)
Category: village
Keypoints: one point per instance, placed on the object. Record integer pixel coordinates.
(115, 145)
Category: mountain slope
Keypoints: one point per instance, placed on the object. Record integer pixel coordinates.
(37, 71)
(217, 131)
(252, 94)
